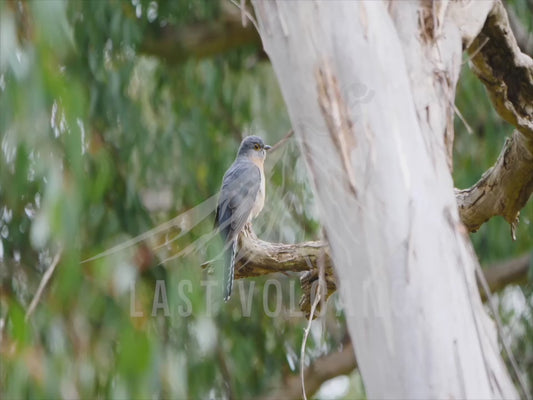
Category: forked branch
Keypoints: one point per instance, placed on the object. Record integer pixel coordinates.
(507, 74)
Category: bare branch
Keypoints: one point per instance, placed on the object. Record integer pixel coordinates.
(322, 369)
(46, 277)
(502, 190)
(245, 14)
(304, 342)
(176, 45)
(257, 257)
(507, 74)
(282, 141)
(513, 271)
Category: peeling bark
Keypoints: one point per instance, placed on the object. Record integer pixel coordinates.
(335, 113)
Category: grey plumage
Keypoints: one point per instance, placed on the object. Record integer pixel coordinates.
(241, 199)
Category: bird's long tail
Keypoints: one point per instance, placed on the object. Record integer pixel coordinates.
(229, 269)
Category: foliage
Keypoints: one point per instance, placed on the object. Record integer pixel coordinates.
(92, 131)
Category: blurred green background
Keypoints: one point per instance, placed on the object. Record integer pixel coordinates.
(108, 128)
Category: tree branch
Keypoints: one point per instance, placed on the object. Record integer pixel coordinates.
(508, 272)
(322, 369)
(207, 39)
(507, 74)
(503, 190)
(257, 257)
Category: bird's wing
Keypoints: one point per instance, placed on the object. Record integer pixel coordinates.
(237, 198)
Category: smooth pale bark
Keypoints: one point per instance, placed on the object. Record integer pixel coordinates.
(356, 88)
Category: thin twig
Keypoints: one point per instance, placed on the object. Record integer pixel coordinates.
(197, 244)
(46, 277)
(177, 221)
(474, 53)
(323, 287)
(468, 127)
(243, 15)
(280, 143)
(243, 10)
(304, 342)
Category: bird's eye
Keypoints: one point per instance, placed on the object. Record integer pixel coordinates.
(257, 146)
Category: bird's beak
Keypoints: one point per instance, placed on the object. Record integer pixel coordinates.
(267, 147)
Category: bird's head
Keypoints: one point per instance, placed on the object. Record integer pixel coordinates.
(254, 148)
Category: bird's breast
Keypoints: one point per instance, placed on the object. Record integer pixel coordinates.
(260, 197)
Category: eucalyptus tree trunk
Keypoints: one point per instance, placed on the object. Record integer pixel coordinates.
(370, 88)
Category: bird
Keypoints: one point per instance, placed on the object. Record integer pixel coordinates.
(241, 199)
